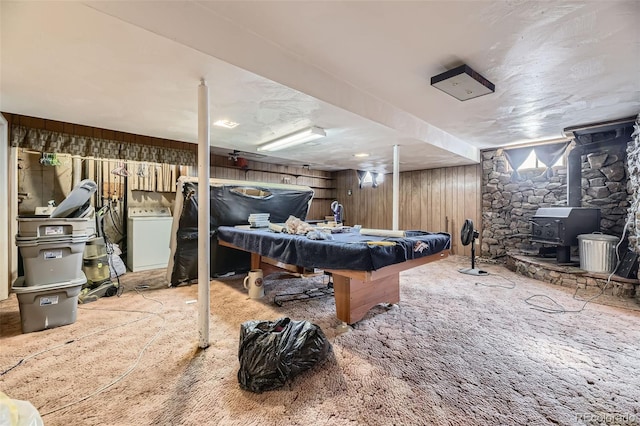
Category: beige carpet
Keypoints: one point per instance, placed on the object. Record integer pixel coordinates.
(452, 352)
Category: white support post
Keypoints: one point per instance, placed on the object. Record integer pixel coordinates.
(13, 210)
(396, 187)
(5, 226)
(204, 284)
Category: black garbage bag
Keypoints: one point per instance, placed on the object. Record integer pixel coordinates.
(272, 352)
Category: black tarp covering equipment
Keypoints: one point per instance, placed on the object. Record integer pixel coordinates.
(231, 204)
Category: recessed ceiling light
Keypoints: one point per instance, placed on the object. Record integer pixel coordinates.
(227, 124)
(362, 154)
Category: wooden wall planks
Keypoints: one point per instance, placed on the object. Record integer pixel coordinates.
(221, 167)
(321, 182)
(432, 200)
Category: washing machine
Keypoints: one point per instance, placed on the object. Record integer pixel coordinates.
(148, 236)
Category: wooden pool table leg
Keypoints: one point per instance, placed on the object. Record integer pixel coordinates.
(354, 297)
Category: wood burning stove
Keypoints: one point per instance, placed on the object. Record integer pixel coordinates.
(560, 226)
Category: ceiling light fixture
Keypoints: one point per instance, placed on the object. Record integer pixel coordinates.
(361, 155)
(296, 138)
(227, 124)
(463, 83)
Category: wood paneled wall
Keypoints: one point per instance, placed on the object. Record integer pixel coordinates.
(322, 182)
(431, 200)
(369, 207)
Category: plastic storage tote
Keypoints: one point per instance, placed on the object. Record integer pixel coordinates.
(53, 261)
(48, 228)
(47, 306)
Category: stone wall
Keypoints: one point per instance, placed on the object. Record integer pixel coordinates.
(633, 187)
(604, 185)
(572, 277)
(509, 202)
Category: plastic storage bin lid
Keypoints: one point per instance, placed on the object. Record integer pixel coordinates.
(18, 286)
(54, 228)
(73, 205)
(35, 241)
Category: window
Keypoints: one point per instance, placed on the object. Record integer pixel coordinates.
(368, 178)
(532, 162)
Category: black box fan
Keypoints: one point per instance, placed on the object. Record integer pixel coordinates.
(468, 236)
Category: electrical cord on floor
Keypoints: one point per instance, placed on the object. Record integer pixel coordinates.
(123, 375)
(561, 309)
(25, 359)
(132, 367)
(508, 287)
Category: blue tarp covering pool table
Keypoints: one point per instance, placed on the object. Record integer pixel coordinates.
(348, 250)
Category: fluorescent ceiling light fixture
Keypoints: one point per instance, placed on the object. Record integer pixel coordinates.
(463, 83)
(227, 124)
(360, 155)
(296, 138)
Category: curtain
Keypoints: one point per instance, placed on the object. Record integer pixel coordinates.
(516, 157)
(374, 177)
(361, 175)
(550, 154)
(46, 141)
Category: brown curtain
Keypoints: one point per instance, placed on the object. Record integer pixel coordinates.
(62, 143)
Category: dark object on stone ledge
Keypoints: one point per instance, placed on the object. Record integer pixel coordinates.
(628, 267)
(547, 252)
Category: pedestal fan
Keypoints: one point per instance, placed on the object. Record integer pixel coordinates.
(468, 236)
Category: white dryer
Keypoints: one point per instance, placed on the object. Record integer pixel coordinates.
(148, 236)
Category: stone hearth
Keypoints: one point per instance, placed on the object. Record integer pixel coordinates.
(547, 269)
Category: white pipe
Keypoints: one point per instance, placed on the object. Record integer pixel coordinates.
(204, 284)
(5, 223)
(396, 187)
(13, 210)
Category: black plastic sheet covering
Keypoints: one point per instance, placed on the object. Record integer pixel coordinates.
(273, 352)
(345, 251)
(230, 205)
